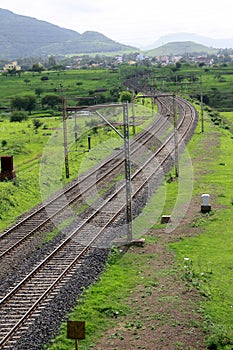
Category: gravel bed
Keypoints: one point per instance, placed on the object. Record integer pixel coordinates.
(47, 324)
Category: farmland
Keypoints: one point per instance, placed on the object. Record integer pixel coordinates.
(72, 83)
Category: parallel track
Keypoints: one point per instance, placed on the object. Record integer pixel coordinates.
(17, 234)
(21, 305)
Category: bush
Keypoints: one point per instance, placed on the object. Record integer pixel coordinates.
(44, 78)
(18, 116)
(125, 96)
(4, 143)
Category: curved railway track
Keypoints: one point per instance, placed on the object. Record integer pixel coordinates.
(16, 234)
(105, 223)
(51, 213)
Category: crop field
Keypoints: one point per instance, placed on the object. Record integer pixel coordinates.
(80, 83)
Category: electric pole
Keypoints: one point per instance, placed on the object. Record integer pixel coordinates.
(202, 112)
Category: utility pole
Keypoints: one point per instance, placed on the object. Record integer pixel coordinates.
(125, 137)
(175, 136)
(133, 113)
(202, 112)
(127, 172)
(64, 117)
(128, 191)
(173, 112)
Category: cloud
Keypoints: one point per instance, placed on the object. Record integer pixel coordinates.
(87, 6)
(130, 21)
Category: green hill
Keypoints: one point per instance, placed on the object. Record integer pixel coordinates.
(181, 48)
(22, 36)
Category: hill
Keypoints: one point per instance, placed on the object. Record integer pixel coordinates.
(22, 36)
(181, 48)
(203, 40)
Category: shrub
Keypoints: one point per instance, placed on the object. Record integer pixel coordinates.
(4, 143)
(18, 116)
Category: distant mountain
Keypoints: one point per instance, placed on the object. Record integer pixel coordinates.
(203, 40)
(22, 36)
(181, 48)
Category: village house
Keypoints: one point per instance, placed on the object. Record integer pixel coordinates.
(11, 66)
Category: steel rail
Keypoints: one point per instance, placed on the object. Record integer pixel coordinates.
(88, 176)
(107, 224)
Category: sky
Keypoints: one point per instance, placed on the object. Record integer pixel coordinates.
(132, 22)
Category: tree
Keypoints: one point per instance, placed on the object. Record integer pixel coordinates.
(52, 62)
(36, 124)
(30, 103)
(37, 67)
(18, 116)
(125, 96)
(51, 101)
(12, 71)
(26, 103)
(18, 103)
(38, 91)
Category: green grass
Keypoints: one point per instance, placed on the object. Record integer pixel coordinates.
(75, 83)
(106, 301)
(210, 252)
(26, 146)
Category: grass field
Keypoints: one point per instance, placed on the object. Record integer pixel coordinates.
(26, 146)
(210, 252)
(72, 83)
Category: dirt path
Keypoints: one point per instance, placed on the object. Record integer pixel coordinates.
(165, 315)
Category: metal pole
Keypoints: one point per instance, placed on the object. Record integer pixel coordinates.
(124, 136)
(133, 112)
(65, 137)
(175, 137)
(75, 128)
(89, 142)
(127, 172)
(133, 116)
(202, 113)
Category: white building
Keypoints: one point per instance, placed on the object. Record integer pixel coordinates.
(11, 66)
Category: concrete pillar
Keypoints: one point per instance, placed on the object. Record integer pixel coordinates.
(205, 206)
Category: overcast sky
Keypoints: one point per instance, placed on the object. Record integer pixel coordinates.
(133, 22)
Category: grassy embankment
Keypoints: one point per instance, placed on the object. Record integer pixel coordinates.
(26, 146)
(209, 253)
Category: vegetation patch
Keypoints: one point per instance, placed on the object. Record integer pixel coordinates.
(105, 302)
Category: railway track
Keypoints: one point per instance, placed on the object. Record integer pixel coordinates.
(50, 215)
(105, 223)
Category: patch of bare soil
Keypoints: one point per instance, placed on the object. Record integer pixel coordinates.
(164, 315)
